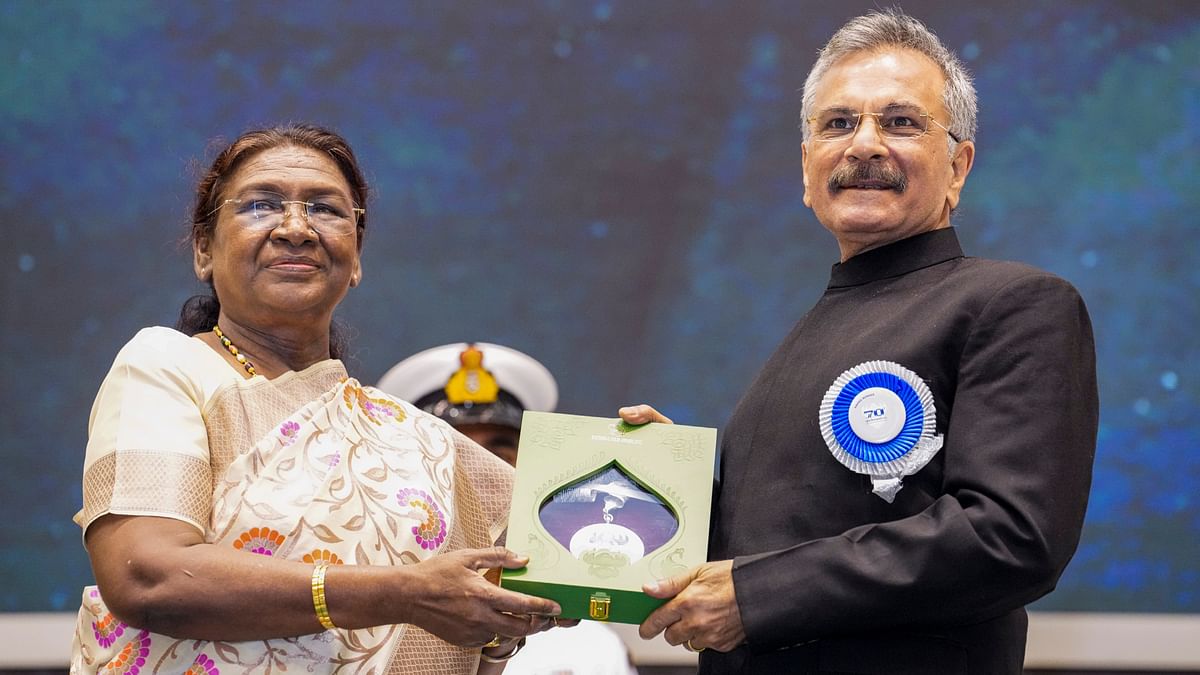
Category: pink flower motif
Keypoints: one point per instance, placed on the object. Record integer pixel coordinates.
(203, 666)
(108, 630)
(335, 459)
(288, 430)
(132, 657)
(375, 410)
(430, 532)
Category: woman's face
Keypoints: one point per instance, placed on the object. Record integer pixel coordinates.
(290, 274)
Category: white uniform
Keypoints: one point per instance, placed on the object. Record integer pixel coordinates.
(426, 379)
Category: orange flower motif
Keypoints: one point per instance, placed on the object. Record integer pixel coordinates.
(260, 540)
(372, 408)
(132, 657)
(319, 554)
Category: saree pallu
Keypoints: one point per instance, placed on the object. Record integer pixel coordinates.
(309, 466)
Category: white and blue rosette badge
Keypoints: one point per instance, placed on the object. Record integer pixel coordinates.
(878, 419)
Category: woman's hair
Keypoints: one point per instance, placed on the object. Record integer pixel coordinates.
(199, 312)
(893, 28)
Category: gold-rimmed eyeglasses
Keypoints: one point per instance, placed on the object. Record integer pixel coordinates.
(265, 211)
(895, 122)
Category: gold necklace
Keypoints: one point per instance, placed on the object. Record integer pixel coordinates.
(240, 357)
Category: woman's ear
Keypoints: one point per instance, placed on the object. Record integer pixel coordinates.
(202, 258)
(356, 276)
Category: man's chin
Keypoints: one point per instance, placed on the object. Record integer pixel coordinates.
(864, 213)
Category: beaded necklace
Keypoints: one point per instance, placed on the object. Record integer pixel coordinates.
(240, 357)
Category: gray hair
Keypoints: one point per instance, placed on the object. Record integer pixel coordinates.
(893, 27)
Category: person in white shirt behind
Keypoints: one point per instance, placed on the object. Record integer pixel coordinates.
(482, 389)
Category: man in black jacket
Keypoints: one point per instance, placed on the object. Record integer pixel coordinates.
(912, 465)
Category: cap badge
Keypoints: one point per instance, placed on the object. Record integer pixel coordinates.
(471, 383)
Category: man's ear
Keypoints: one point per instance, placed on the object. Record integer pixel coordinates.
(202, 258)
(804, 167)
(960, 167)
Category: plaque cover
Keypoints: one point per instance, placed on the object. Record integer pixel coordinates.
(602, 507)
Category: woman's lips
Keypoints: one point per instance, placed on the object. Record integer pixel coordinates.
(294, 265)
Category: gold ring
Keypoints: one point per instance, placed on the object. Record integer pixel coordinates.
(688, 646)
(554, 620)
(494, 642)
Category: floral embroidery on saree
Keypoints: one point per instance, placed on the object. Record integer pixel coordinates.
(260, 540)
(351, 477)
(431, 531)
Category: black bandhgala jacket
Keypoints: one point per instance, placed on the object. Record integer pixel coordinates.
(830, 577)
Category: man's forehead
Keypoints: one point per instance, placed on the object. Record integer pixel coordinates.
(880, 77)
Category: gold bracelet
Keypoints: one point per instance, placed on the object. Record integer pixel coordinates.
(318, 593)
(501, 659)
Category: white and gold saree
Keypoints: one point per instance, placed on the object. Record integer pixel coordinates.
(311, 465)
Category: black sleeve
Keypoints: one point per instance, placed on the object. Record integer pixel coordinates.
(1018, 460)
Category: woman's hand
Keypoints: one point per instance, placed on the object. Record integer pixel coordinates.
(159, 574)
(641, 414)
(451, 599)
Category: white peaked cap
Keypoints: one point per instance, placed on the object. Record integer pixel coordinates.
(516, 372)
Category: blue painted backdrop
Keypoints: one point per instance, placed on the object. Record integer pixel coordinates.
(613, 186)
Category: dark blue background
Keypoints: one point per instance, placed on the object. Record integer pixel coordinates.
(612, 186)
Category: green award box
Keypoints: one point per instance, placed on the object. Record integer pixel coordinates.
(602, 507)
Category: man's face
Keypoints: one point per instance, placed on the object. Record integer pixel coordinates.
(501, 440)
(864, 211)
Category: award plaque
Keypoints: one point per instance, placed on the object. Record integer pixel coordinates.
(602, 507)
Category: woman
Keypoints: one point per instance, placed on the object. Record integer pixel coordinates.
(249, 507)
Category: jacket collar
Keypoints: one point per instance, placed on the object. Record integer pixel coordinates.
(897, 258)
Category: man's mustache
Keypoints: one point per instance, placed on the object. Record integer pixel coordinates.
(867, 173)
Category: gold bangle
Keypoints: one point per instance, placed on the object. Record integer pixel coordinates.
(501, 659)
(318, 593)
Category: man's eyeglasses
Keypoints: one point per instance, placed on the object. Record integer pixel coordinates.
(899, 122)
(264, 211)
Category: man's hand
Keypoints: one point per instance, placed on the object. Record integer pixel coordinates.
(641, 414)
(702, 612)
